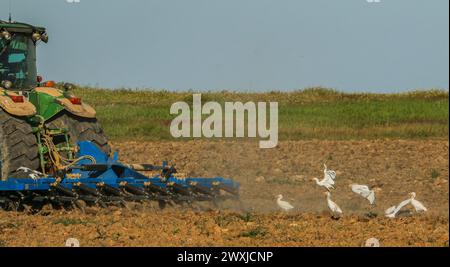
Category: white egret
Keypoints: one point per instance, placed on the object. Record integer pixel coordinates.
(335, 209)
(364, 191)
(328, 179)
(31, 173)
(418, 206)
(284, 205)
(392, 211)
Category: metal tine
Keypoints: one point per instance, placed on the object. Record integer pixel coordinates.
(179, 189)
(155, 189)
(80, 205)
(87, 190)
(226, 188)
(88, 198)
(105, 188)
(95, 196)
(201, 189)
(133, 189)
(64, 191)
(102, 204)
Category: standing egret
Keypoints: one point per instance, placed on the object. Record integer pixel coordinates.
(328, 179)
(333, 206)
(364, 191)
(417, 204)
(284, 205)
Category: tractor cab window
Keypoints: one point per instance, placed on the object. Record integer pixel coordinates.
(18, 62)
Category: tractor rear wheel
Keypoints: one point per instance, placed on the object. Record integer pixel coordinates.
(18, 147)
(82, 129)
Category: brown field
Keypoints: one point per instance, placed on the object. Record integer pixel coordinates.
(395, 167)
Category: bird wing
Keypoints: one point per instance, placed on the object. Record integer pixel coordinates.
(418, 205)
(288, 206)
(362, 190)
(390, 210)
(330, 174)
(328, 179)
(326, 184)
(391, 215)
(364, 187)
(371, 197)
(285, 205)
(401, 205)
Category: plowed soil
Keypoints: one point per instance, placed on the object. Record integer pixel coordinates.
(393, 167)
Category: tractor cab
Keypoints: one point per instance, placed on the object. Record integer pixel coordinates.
(18, 55)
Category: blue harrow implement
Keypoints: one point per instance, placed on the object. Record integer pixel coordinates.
(98, 179)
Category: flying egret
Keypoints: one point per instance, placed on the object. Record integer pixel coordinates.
(392, 211)
(364, 191)
(284, 205)
(328, 179)
(333, 206)
(417, 204)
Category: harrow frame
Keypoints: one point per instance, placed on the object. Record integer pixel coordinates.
(107, 181)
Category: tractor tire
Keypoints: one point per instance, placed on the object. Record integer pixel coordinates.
(18, 147)
(82, 129)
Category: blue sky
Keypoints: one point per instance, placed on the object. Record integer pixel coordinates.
(256, 45)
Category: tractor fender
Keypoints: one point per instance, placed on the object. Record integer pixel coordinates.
(81, 110)
(20, 109)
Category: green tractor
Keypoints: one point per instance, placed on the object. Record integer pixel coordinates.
(54, 152)
(40, 124)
